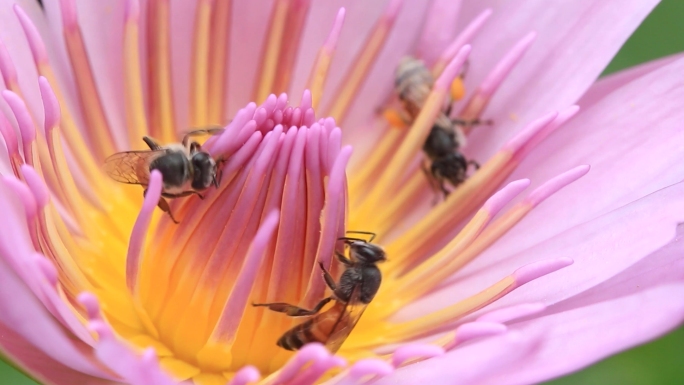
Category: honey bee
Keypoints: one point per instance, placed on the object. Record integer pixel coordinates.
(413, 83)
(356, 288)
(186, 169)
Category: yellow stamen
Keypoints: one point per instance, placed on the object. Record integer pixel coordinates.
(269, 64)
(136, 120)
(363, 62)
(319, 75)
(200, 65)
(296, 16)
(363, 217)
(218, 61)
(361, 179)
(87, 92)
(162, 122)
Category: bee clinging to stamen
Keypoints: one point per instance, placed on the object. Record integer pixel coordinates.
(186, 169)
(355, 289)
(412, 85)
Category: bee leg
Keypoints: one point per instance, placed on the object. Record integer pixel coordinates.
(433, 183)
(292, 310)
(340, 257)
(328, 278)
(164, 206)
(475, 164)
(473, 122)
(372, 234)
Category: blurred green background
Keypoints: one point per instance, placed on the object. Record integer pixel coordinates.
(660, 361)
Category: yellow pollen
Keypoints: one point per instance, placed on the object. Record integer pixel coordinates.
(457, 90)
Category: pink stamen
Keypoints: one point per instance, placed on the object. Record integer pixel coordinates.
(415, 352)
(7, 69)
(512, 313)
(245, 375)
(260, 116)
(497, 201)
(138, 234)
(393, 10)
(68, 8)
(553, 185)
(241, 118)
(506, 65)
(334, 35)
(25, 195)
(369, 367)
(132, 10)
(92, 306)
(37, 186)
(452, 69)
(562, 118)
(310, 353)
(466, 35)
(33, 37)
(229, 321)
(50, 104)
(473, 330)
(269, 105)
(330, 223)
(539, 269)
(305, 102)
(333, 148)
(529, 132)
(10, 138)
(24, 121)
(317, 369)
(47, 268)
(309, 117)
(281, 103)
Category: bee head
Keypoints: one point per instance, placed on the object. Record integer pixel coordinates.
(204, 170)
(451, 167)
(365, 252)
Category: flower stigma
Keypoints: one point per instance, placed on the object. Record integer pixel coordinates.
(127, 279)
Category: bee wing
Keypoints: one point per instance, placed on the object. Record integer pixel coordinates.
(346, 321)
(132, 167)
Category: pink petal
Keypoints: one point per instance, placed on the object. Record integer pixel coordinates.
(12, 37)
(601, 327)
(573, 46)
(642, 119)
(41, 366)
(467, 365)
(601, 248)
(606, 85)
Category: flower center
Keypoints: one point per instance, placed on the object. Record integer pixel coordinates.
(185, 289)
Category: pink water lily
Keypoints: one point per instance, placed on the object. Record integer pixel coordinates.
(491, 285)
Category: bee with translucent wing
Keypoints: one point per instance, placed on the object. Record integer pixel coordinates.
(186, 169)
(356, 288)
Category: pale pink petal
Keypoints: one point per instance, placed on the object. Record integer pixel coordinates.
(583, 335)
(12, 37)
(632, 139)
(559, 67)
(608, 84)
(466, 365)
(41, 366)
(440, 26)
(245, 54)
(601, 249)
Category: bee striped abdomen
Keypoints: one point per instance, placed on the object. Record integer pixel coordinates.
(317, 329)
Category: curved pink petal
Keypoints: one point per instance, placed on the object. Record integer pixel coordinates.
(607, 85)
(601, 249)
(42, 367)
(586, 334)
(559, 67)
(632, 139)
(467, 365)
(12, 37)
